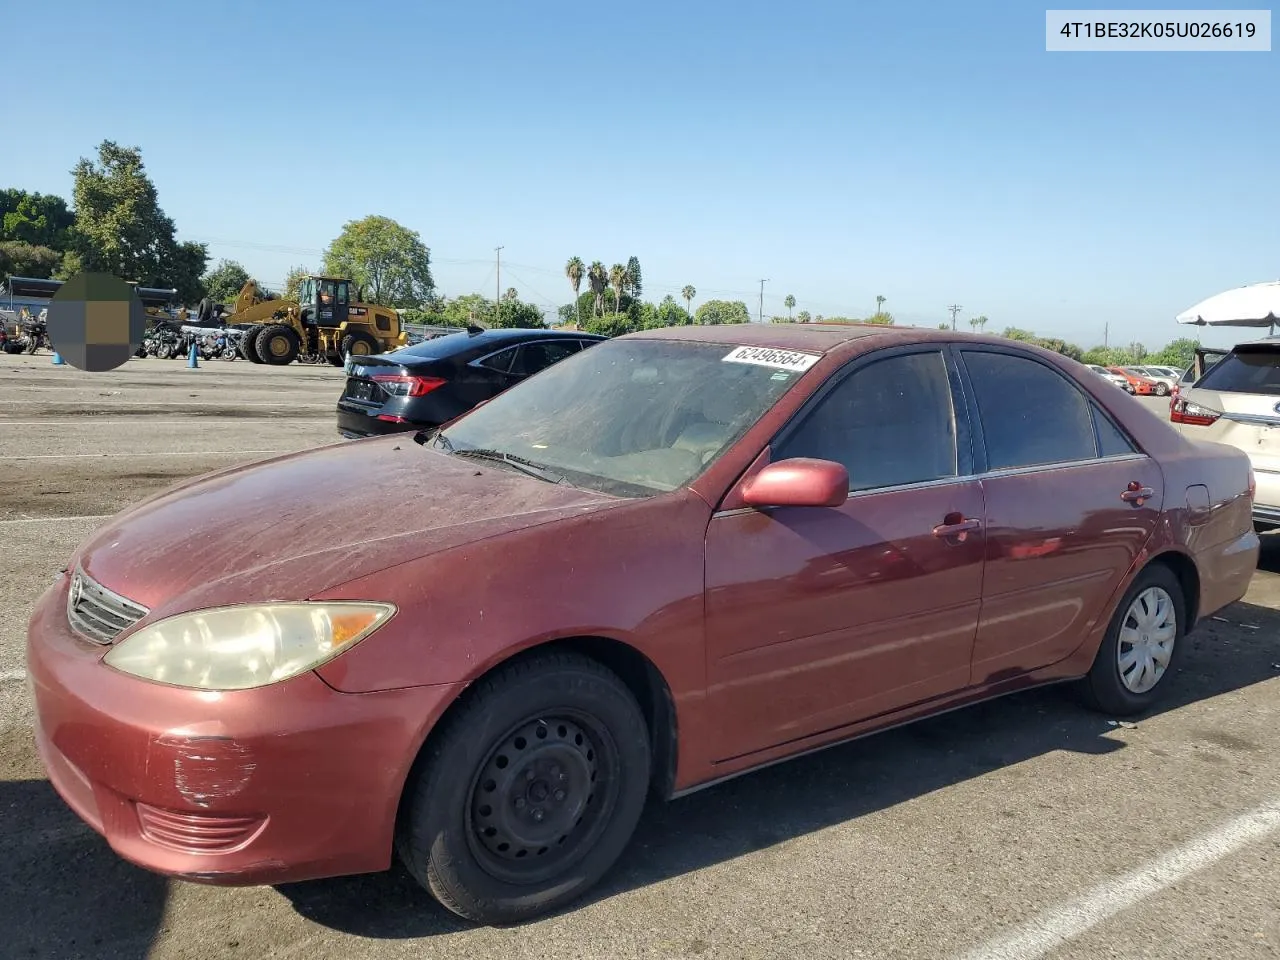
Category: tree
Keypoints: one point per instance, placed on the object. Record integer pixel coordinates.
(804, 317)
(41, 220)
(624, 304)
(618, 279)
(689, 293)
(121, 229)
(293, 280)
(517, 313)
(222, 284)
(978, 323)
(1179, 353)
(575, 269)
(882, 318)
(511, 294)
(880, 303)
(27, 260)
(722, 311)
(944, 326)
(611, 324)
(671, 314)
(1106, 356)
(635, 287)
(388, 260)
(598, 279)
(790, 304)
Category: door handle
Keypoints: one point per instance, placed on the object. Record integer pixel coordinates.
(958, 529)
(1137, 493)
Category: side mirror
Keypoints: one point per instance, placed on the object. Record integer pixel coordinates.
(799, 482)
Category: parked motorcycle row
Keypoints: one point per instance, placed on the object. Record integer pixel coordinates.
(30, 335)
(165, 343)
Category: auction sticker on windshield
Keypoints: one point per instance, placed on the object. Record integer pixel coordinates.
(768, 357)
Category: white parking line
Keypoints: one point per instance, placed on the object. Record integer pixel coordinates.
(87, 516)
(1056, 926)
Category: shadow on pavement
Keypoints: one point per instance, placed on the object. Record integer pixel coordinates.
(840, 784)
(64, 894)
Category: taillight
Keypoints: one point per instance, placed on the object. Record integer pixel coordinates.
(399, 385)
(1184, 411)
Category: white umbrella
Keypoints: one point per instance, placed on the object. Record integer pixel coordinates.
(1257, 305)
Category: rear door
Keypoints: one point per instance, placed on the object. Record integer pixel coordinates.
(1071, 501)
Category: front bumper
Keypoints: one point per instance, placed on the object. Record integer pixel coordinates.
(289, 782)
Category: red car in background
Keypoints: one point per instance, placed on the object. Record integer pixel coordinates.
(1138, 384)
(664, 561)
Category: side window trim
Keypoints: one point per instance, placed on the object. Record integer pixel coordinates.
(965, 466)
(484, 361)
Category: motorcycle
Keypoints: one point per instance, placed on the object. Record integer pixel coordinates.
(33, 334)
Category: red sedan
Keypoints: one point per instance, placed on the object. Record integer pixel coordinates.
(675, 557)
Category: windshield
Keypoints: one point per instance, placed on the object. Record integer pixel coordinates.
(629, 418)
(1245, 371)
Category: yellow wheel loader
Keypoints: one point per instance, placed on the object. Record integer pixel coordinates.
(324, 323)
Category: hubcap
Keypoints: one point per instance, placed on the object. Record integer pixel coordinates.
(279, 346)
(535, 803)
(1147, 635)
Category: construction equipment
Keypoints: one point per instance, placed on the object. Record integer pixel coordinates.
(324, 322)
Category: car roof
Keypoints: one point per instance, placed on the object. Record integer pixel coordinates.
(811, 337)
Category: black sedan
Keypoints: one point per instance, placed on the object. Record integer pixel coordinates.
(432, 382)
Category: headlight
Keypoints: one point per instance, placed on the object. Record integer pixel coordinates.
(237, 648)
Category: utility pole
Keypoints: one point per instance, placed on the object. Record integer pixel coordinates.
(954, 308)
(761, 314)
(497, 290)
(1106, 334)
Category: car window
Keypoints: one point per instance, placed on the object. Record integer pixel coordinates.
(500, 361)
(1246, 371)
(1111, 441)
(889, 423)
(532, 357)
(1031, 415)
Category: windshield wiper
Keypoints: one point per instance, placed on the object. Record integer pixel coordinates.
(524, 466)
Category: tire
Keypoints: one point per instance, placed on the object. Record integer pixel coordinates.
(548, 719)
(278, 345)
(204, 312)
(358, 345)
(1105, 688)
(1162, 389)
(248, 345)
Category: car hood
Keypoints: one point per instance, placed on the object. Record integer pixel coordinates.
(295, 526)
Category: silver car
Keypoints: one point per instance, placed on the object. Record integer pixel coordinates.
(1106, 374)
(1237, 402)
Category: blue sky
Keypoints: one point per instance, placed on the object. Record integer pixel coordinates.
(930, 152)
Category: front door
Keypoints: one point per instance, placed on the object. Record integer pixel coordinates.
(817, 618)
(1071, 503)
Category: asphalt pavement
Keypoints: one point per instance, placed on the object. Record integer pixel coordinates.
(1026, 827)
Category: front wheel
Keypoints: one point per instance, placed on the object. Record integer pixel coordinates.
(1162, 389)
(1141, 646)
(507, 825)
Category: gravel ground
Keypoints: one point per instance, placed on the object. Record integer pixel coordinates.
(1027, 818)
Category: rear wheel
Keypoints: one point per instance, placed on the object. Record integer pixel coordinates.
(1141, 647)
(1162, 389)
(278, 345)
(529, 792)
(248, 345)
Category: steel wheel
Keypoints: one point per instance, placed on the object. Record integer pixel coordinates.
(1145, 644)
(542, 797)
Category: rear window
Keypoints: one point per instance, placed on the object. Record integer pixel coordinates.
(1245, 371)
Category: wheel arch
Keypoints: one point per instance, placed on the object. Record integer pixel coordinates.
(1188, 574)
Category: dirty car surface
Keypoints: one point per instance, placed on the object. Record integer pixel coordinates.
(664, 561)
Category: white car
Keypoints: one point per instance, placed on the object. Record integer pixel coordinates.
(1106, 374)
(1165, 378)
(1237, 402)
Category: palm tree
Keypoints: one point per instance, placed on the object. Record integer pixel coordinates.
(790, 304)
(618, 279)
(688, 293)
(978, 323)
(879, 304)
(599, 279)
(574, 270)
(511, 294)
